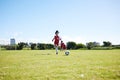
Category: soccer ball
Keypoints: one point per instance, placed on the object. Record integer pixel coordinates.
(67, 53)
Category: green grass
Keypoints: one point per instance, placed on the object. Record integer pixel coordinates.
(45, 65)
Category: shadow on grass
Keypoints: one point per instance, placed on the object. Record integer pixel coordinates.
(42, 54)
(46, 54)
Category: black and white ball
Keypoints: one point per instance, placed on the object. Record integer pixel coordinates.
(67, 53)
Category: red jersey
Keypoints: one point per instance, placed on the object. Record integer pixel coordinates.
(56, 40)
(63, 46)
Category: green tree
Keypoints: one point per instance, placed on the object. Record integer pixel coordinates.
(41, 46)
(90, 45)
(78, 46)
(107, 43)
(71, 45)
(49, 46)
(33, 46)
(20, 45)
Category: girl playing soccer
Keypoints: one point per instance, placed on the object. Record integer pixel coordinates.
(56, 40)
(63, 46)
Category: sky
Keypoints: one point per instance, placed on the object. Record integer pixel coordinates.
(80, 21)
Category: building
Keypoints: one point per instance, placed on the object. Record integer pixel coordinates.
(12, 41)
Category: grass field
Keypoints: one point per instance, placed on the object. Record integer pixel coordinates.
(45, 65)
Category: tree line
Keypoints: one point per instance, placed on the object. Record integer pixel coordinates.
(30, 46)
(70, 45)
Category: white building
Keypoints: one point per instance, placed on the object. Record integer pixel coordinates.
(12, 41)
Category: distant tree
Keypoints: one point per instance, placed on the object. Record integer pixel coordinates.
(33, 46)
(9, 47)
(116, 46)
(20, 45)
(78, 46)
(41, 46)
(26, 44)
(71, 45)
(90, 45)
(49, 46)
(96, 44)
(107, 43)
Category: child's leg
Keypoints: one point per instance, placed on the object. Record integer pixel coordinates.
(56, 49)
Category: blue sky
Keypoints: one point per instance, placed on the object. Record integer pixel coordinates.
(77, 20)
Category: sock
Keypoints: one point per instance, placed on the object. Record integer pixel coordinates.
(56, 49)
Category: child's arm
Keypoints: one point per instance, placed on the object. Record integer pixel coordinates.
(60, 38)
(53, 39)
